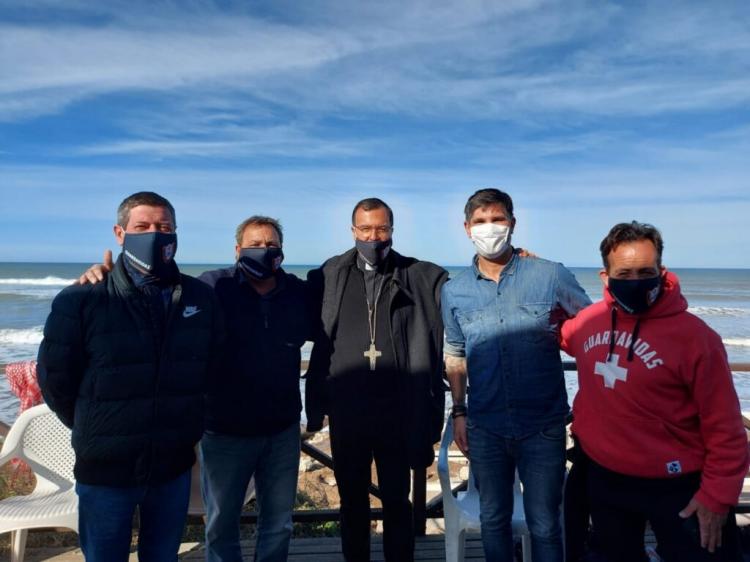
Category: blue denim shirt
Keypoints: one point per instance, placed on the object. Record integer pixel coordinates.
(508, 332)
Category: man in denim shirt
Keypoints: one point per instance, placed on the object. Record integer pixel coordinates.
(501, 318)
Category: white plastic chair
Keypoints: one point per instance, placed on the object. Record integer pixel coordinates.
(40, 439)
(461, 512)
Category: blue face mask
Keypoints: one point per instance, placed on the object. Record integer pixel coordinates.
(260, 263)
(151, 253)
(635, 295)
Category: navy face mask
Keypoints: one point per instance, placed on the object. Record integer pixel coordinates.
(260, 263)
(151, 253)
(635, 295)
(373, 251)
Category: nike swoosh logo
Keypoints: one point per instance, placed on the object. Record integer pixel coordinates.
(190, 311)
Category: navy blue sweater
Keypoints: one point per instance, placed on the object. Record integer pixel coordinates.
(257, 391)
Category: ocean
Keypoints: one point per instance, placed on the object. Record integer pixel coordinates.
(721, 297)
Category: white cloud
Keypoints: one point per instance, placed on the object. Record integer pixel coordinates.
(494, 60)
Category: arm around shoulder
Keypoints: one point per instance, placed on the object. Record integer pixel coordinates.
(570, 295)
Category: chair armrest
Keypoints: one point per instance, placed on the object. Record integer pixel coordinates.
(8, 453)
(12, 445)
(443, 469)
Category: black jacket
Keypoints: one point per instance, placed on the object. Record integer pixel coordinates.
(130, 379)
(257, 390)
(417, 334)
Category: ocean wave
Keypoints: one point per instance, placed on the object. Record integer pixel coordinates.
(38, 293)
(46, 281)
(741, 342)
(719, 311)
(23, 336)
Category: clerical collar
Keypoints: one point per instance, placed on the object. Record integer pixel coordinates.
(366, 267)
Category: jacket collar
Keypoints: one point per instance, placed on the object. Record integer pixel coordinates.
(243, 281)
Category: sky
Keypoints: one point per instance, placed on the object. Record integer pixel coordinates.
(586, 113)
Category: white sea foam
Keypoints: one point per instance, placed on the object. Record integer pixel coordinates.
(741, 342)
(45, 281)
(719, 311)
(23, 336)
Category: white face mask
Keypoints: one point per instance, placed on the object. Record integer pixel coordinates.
(490, 239)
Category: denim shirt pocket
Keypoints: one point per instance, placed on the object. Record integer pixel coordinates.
(474, 326)
(534, 322)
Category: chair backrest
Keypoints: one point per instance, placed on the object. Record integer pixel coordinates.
(444, 473)
(450, 504)
(45, 445)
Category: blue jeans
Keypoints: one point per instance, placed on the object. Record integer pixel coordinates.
(105, 520)
(229, 462)
(540, 461)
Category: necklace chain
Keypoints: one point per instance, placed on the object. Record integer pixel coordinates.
(372, 310)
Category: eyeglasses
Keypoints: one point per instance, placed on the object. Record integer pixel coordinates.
(367, 229)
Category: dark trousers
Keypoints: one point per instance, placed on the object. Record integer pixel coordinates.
(576, 506)
(621, 505)
(354, 444)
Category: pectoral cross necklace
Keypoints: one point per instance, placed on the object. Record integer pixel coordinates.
(372, 323)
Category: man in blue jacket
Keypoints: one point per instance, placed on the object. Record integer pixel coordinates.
(125, 364)
(254, 407)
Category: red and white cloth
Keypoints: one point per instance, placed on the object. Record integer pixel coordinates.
(22, 381)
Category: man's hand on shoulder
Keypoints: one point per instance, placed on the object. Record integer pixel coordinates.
(710, 523)
(524, 253)
(97, 272)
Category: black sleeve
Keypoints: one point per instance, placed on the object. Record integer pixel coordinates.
(438, 376)
(218, 344)
(316, 402)
(61, 354)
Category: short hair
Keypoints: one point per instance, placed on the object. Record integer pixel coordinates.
(486, 197)
(630, 232)
(259, 220)
(370, 204)
(142, 198)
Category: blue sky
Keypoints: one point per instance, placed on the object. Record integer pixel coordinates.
(587, 113)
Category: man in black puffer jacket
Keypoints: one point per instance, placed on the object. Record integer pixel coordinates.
(125, 364)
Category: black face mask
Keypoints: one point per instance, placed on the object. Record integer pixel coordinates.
(635, 295)
(373, 251)
(151, 253)
(260, 263)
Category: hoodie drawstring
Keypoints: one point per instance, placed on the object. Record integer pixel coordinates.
(612, 336)
(635, 337)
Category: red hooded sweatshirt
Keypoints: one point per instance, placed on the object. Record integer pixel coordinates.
(670, 409)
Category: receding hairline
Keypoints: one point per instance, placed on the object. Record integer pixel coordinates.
(258, 221)
(628, 233)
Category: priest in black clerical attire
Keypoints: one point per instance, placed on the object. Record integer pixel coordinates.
(376, 371)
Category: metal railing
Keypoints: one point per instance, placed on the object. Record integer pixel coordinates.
(422, 508)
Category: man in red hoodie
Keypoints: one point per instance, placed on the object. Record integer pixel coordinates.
(656, 413)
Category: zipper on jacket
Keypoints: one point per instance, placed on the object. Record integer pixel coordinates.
(160, 356)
